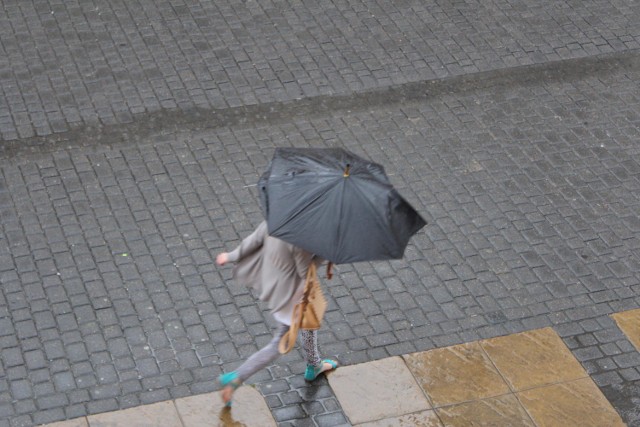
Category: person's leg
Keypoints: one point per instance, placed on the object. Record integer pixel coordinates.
(259, 360)
(315, 365)
(263, 357)
(310, 346)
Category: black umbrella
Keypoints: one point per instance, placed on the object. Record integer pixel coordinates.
(336, 205)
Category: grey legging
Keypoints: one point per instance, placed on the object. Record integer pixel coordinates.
(265, 356)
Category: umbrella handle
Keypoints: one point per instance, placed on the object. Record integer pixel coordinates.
(329, 270)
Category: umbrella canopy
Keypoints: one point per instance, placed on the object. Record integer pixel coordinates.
(336, 205)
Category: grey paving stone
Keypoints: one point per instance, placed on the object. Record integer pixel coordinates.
(528, 177)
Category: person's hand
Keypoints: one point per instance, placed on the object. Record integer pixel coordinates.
(222, 258)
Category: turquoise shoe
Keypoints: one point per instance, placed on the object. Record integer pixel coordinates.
(230, 379)
(312, 372)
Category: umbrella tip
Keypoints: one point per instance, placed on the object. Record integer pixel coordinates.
(346, 171)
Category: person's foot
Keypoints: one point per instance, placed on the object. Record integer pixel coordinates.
(312, 372)
(230, 383)
(227, 394)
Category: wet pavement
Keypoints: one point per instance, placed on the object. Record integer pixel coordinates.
(132, 136)
(524, 379)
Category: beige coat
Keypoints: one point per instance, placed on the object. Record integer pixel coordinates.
(274, 268)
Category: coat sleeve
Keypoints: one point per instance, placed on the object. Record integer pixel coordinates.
(249, 244)
(303, 259)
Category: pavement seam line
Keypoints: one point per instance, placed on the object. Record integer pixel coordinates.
(317, 106)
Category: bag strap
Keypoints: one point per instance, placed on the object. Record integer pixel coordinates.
(288, 340)
(312, 277)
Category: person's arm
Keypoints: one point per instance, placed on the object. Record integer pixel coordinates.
(249, 245)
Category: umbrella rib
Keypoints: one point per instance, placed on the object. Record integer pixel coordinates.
(373, 207)
(343, 184)
(305, 206)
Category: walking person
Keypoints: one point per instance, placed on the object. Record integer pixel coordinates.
(277, 270)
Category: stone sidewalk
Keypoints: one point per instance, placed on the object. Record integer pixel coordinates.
(132, 135)
(111, 300)
(202, 410)
(70, 65)
(528, 379)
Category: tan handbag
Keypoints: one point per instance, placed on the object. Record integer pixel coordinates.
(308, 313)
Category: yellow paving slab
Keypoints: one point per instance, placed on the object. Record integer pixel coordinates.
(456, 374)
(495, 411)
(157, 414)
(419, 419)
(629, 322)
(377, 390)
(530, 379)
(574, 403)
(249, 409)
(76, 422)
(533, 359)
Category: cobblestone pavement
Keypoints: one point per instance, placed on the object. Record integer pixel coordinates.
(85, 63)
(133, 134)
